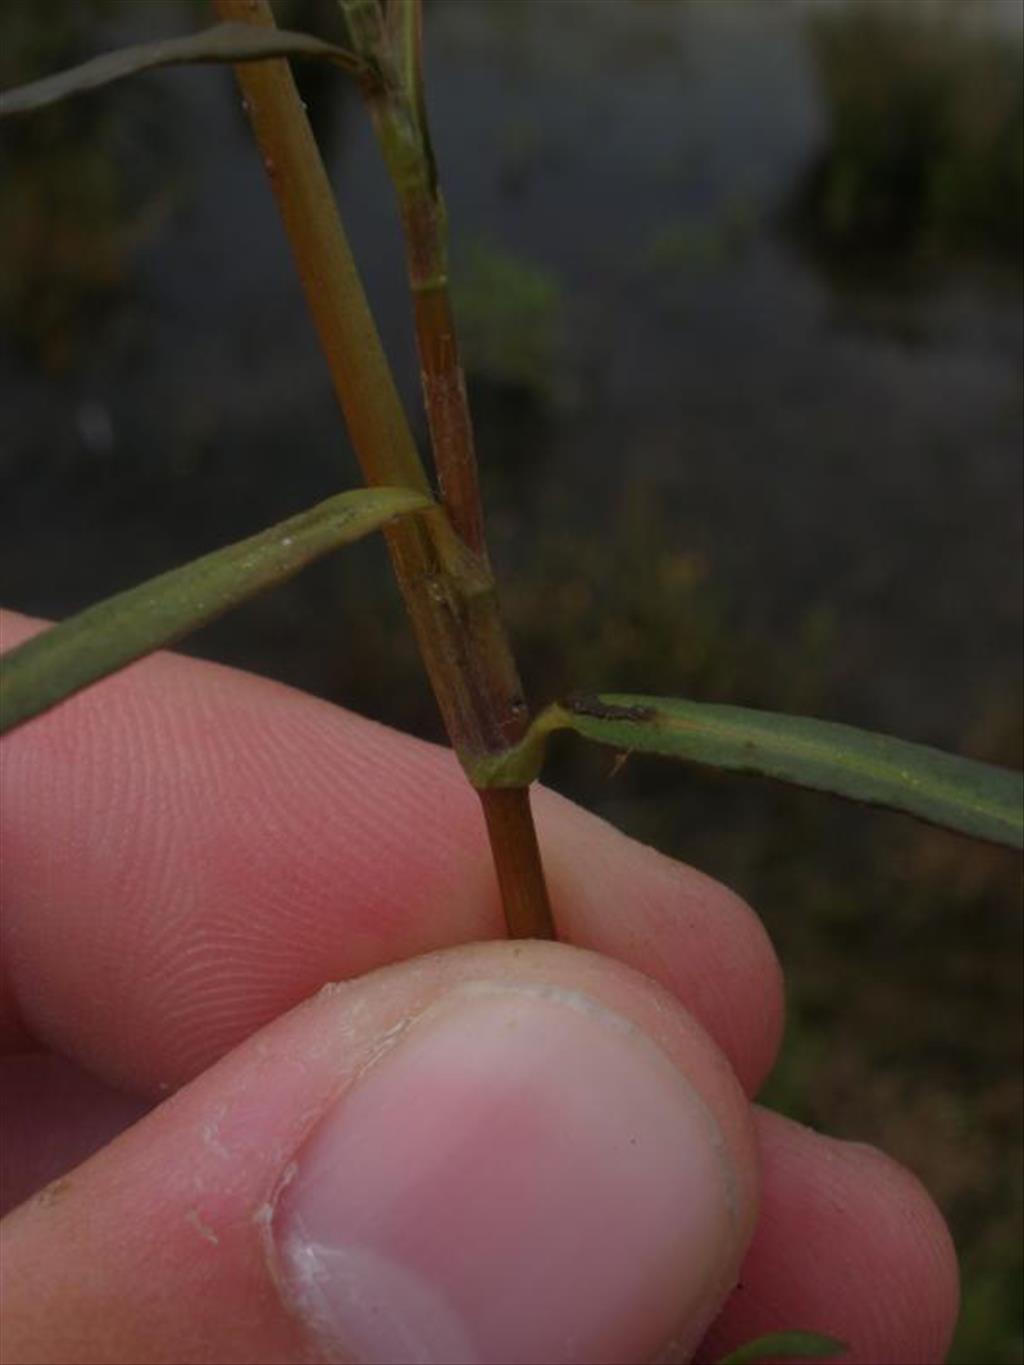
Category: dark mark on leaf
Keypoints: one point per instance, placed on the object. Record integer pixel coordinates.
(580, 704)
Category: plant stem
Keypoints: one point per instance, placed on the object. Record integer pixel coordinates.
(444, 578)
(392, 48)
(521, 878)
(390, 39)
(444, 384)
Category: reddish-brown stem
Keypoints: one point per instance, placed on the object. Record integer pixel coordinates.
(444, 389)
(443, 575)
(517, 860)
(395, 97)
(507, 812)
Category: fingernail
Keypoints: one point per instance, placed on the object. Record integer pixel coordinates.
(523, 1177)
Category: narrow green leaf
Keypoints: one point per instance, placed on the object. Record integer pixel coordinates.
(222, 43)
(62, 660)
(786, 1346)
(957, 793)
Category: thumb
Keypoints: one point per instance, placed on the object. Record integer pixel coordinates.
(521, 1153)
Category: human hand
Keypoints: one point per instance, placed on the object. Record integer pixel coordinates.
(493, 1152)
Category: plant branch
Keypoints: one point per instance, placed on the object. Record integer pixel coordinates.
(389, 41)
(390, 48)
(444, 579)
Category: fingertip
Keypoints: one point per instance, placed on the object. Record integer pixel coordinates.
(556, 1182)
(849, 1244)
(672, 922)
(923, 1299)
(503, 1152)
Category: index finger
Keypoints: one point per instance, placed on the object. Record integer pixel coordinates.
(190, 850)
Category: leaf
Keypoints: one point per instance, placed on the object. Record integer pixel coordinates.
(958, 793)
(62, 660)
(788, 1346)
(222, 43)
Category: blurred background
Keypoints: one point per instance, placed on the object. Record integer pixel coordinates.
(740, 284)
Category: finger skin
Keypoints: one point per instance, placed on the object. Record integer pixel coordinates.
(848, 1244)
(682, 929)
(54, 1116)
(200, 849)
(156, 1249)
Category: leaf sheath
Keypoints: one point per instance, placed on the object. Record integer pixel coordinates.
(98, 641)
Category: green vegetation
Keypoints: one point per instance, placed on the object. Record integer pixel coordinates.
(685, 247)
(65, 214)
(791, 1345)
(925, 149)
(510, 316)
(639, 611)
(155, 615)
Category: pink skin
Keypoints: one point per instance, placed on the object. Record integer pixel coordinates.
(189, 852)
